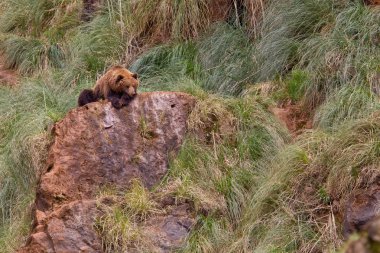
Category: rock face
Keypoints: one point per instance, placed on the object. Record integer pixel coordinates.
(366, 242)
(97, 146)
(372, 2)
(362, 208)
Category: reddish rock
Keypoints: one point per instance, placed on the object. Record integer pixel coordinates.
(8, 77)
(98, 145)
(368, 241)
(372, 2)
(373, 229)
(166, 232)
(362, 207)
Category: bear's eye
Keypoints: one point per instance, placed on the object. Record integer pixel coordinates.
(119, 78)
(134, 75)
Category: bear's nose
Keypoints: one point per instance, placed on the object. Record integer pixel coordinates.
(131, 91)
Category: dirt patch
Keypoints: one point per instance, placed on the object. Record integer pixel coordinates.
(220, 9)
(294, 117)
(7, 77)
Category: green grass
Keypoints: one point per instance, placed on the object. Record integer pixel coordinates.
(346, 55)
(334, 42)
(120, 226)
(346, 104)
(220, 148)
(228, 163)
(261, 191)
(221, 62)
(27, 114)
(27, 17)
(35, 33)
(227, 57)
(28, 54)
(287, 25)
(282, 214)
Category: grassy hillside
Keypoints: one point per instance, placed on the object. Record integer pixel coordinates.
(266, 191)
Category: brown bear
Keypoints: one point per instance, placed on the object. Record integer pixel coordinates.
(118, 85)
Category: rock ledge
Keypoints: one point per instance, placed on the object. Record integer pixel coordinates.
(97, 146)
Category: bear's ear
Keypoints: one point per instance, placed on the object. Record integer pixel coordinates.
(119, 78)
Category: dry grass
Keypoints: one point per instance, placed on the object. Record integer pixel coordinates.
(306, 187)
(120, 226)
(255, 14)
(257, 193)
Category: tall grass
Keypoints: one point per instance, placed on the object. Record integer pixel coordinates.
(285, 27)
(346, 55)
(28, 54)
(27, 17)
(228, 60)
(93, 47)
(34, 33)
(258, 193)
(183, 19)
(27, 113)
(222, 61)
(347, 104)
(126, 27)
(333, 41)
(227, 138)
(254, 13)
(306, 185)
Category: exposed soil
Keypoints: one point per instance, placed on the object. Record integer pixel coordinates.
(294, 117)
(7, 76)
(219, 9)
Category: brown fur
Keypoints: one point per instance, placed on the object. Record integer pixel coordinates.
(118, 85)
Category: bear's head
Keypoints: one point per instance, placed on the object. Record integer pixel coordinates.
(123, 81)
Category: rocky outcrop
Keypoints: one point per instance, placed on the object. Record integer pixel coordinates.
(368, 241)
(372, 2)
(362, 208)
(97, 146)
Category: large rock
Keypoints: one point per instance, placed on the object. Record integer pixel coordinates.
(362, 208)
(368, 241)
(96, 146)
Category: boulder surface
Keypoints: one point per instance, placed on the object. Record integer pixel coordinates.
(97, 146)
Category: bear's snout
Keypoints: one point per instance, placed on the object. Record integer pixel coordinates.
(131, 91)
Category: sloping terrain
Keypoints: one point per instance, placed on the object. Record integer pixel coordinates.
(7, 76)
(282, 148)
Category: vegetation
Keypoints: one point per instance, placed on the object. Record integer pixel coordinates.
(265, 192)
